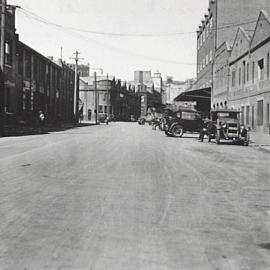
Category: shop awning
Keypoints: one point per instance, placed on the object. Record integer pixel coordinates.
(195, 95)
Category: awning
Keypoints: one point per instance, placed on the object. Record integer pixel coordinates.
(201, 97)
(195, 95)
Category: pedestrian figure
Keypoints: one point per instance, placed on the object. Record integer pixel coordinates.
(41, 119)
(204, 129)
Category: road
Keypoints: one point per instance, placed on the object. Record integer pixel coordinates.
(126, 197)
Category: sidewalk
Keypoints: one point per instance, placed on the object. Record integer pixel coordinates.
(260, 140)
(24, 131)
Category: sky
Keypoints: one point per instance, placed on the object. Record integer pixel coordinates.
(120, 36)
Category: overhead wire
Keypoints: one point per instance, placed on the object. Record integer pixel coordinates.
(38, 18)
(43, 20)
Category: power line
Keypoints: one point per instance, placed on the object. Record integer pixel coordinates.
(45, 21)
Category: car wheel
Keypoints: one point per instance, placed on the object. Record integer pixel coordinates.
(177, 131)
(168, 133)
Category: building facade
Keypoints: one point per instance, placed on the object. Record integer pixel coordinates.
(220, 25)
(172, 89)
(249, 86)
(221, 76)
(33, 82)
(109, 97)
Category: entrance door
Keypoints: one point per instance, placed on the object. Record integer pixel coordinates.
(89, 115)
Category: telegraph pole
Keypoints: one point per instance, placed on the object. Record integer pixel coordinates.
(2, 65)
(96, 97)
(108, 105)
(76, 58)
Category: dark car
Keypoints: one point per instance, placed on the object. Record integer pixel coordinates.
(225, 125)
(184, 120)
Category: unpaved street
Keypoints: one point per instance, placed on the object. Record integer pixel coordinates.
(126, 197)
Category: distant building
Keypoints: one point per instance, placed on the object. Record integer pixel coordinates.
(101, 98)
(142, 77)
(150, 90)
(83, 70)
(111, 97)
(172, 89)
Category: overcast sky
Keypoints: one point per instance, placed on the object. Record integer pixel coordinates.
(173, 55)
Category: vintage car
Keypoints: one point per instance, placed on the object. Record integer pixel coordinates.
(225, 125)
(183, 120)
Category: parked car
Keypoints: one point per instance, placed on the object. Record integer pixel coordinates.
(225, 125)
(181, 121)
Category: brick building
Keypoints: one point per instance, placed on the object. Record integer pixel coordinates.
(249, 85)
(111, 97)
(33, 82)
(220, 25)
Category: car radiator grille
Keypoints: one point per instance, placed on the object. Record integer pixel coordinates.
(233, 129)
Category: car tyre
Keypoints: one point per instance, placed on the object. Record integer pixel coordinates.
(177, 131)
(168, 133)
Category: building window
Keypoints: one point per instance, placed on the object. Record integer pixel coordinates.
(247, 72)
(203, 35)
(268, 115)
(233, 78)
(100, 109)
(253, 71)
(268, 65)
(244, 72)
(207, 30)
(211, 24)
(260, 69)
(253, 117)
(105, 109)
(239, 73)
(247, 115)
(242, 114)
(207, 59)
(260, 112)
(8, 53)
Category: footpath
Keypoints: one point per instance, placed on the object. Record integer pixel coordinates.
(24, 131)
(260, 140)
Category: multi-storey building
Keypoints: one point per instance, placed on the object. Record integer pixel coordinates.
(33, 82)
(172, 89)
(8, 89)
(99, 96)
(150, 90)
(220, 25)
(219, 97)
(249, 85)
(83, 70)
(109, 97)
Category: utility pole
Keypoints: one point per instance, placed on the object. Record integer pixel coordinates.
(96, 97)
(2, 66)
(76, 58)
(108, 99)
